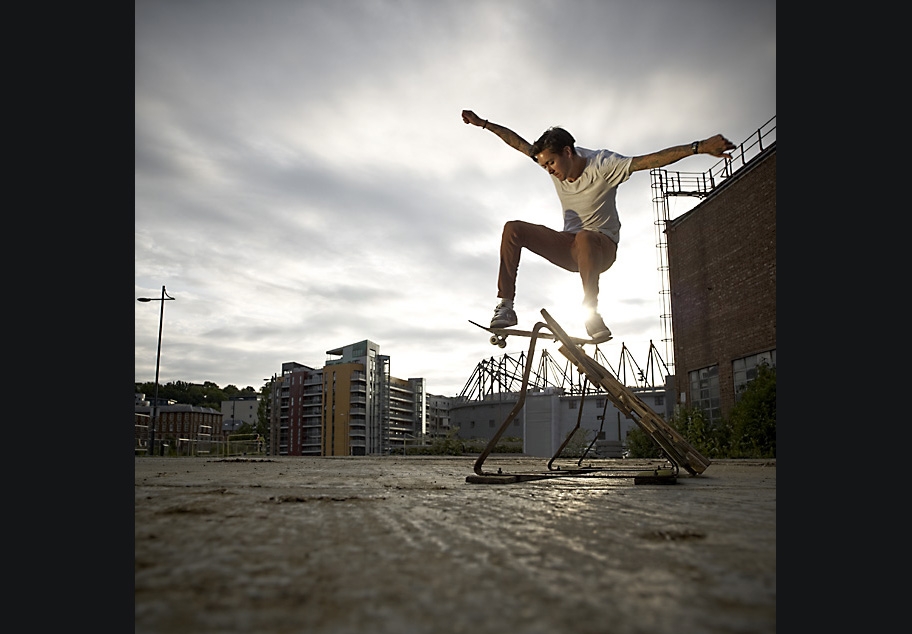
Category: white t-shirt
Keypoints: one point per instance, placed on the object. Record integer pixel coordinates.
(589, 201)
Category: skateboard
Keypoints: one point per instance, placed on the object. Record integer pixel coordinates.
(499, 336)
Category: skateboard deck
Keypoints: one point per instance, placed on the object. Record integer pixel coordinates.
(678, 450)
(499, 336)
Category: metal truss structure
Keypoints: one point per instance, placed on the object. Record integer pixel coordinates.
(497, 375)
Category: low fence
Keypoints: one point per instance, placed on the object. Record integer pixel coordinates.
(234, 445)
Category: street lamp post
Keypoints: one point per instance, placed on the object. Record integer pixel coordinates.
(161, 319)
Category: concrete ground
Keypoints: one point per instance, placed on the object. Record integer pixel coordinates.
(406, 545)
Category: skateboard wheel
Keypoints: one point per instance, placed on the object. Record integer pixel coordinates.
(502, 344)
(495, 340)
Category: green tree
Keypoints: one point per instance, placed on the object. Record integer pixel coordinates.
(753, 418)
(208, 394)
(262, 426)
(212, 395)
(232, 390)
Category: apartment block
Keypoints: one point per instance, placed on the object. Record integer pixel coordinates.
(352, 406)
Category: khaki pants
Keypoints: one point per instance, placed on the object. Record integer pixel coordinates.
(590, 253)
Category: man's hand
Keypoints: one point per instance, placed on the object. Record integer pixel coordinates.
(506, 134)
(470, 117)
(716, 145)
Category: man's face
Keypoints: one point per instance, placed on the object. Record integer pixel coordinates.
(557, 164)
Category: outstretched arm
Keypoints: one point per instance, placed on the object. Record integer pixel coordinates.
(508, 136)
(716, 145)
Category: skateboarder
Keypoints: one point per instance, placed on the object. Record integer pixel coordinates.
(586, 182)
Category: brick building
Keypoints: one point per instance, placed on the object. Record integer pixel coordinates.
(722, 279)
(186, 429)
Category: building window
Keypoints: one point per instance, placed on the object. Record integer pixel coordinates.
(704, 392)
(744, 370)
(572, 404)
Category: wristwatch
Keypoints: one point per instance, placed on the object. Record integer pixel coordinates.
(694, 146)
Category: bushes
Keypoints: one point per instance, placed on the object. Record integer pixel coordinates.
(576, 446)
(450, 445)
(641, 445)
(749, 431)
(453, 445)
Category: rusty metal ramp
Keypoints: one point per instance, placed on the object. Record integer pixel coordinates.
(678, 452)
(639, 473)
(676, 448)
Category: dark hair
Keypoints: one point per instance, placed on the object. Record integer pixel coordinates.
(554, 139)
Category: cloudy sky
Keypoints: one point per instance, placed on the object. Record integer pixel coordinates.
(304, 180)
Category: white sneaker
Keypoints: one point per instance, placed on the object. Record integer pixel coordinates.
(596, 328)
(504, 317)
